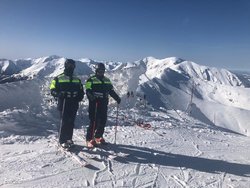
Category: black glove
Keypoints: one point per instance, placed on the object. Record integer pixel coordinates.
(54, 93)
(91, 97)
(118, 100)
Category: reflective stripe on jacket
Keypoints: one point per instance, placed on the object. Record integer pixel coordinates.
(93, 80)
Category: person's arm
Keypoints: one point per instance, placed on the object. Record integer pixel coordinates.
(114, 95)
(89, 93)
(81, 92)
(53, 88)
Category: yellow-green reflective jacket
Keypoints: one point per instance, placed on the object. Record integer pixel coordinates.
(100, 88)
(67, 86)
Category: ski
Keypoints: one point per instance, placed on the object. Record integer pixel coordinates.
(86, 153)
(105, 154)
(94, 155)
(99, 151)
(74, 156)
(111, 154)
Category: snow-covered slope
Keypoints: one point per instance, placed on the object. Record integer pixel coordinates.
(7, 67)
(213, 96)
(50, 67)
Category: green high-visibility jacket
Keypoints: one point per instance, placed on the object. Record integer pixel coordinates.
(64, 86)
(100, 88)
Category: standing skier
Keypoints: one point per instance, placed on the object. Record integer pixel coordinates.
(98, 88)
(128, 94)
(68, 89)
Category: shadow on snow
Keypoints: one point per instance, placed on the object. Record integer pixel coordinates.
(144, 155)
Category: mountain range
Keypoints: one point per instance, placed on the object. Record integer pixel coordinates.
(214, 96)
(198, 133)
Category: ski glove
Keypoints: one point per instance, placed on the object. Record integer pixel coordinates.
(54, 93)
(90, 96)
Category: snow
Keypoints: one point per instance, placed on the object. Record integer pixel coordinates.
(199, 143)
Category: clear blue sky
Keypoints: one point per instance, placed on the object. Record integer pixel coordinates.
(208, 32)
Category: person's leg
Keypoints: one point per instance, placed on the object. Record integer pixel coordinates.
(92, 122)
(70, 124)
(101, 123)
(63, 128)
(68, 115)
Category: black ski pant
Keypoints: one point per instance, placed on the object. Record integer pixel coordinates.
(98, 119)
(68, 115)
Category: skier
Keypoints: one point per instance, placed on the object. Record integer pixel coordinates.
(98, 88)
(128, 100)
(68, 90)
(128, 94)
(132, 94)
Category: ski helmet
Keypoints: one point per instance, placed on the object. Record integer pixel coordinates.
(69, 63)
(100, 66)
(69, 67)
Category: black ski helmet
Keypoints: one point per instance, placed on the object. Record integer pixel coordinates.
(69, 63)
(100, 66)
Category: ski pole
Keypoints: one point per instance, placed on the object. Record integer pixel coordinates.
(94, 123)
(116, 123)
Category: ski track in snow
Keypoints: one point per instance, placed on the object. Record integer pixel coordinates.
(40, 162)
